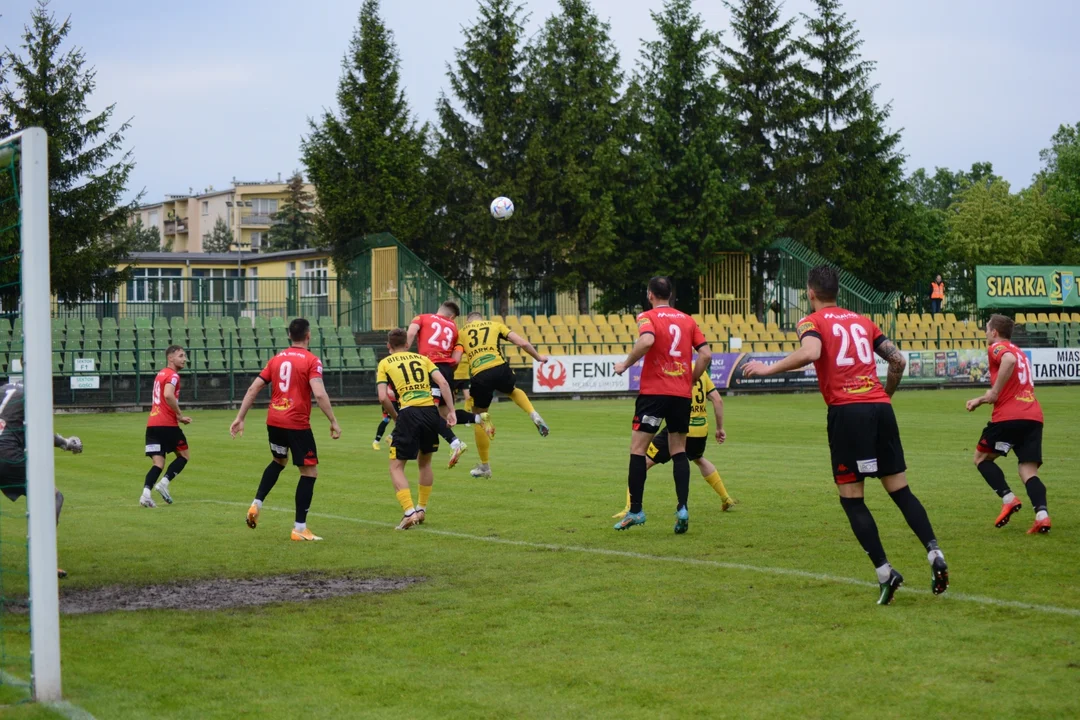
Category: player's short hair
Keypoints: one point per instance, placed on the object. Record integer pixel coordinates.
(1003, 324)
(397, 338)
(475, 315)
(661, 287)
(298, 329)
(452, 307)
(173, 349)
(824, 280)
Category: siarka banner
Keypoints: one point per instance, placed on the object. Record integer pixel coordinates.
(1027, 286)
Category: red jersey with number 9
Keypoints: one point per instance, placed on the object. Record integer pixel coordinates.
(846, 371)
(437, 337)
(669, 365)
(1017, 399)
(289, 375)
(161, 414)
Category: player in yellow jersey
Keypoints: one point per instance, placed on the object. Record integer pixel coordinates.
(696, 440)
(462, 380)
(479, 342)
(416, 434)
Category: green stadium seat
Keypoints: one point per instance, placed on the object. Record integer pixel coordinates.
(228, 323)
(108, 323)
(57, 362)
(146, 365)
(351, 358)
(161, 322)
(326, 323)
(245, 322)
(178, 321)
(277, 322)
(262, 322)
(5, 324)
(194, 321)
(143, 322)
(210, 322)
(215, 361)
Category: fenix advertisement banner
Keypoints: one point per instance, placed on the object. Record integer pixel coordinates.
(583, 374)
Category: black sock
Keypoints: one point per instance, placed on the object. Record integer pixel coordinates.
(865, 529)
(635, 481)
(383, 424)
(175, 468)
(445, 432)
(305, 490)
(680, 470)
(152, 477)
(465, 418)
(1037, 492)
(994, 477)
(916, 517)
(269, 479)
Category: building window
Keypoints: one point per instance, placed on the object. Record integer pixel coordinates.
(153, 218)
(219, 285)
(313, 281)
(258, 240)
(205, 207)
(263, 206)
(290, 269)
(155, 285)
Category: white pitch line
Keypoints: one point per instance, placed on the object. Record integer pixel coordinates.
(63, 707)
(950, 595)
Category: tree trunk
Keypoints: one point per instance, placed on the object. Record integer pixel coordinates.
(583, 299)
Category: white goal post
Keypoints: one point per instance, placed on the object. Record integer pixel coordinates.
(38, 391)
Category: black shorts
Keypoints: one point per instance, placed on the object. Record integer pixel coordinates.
(1022, 436)
(652, 411)
(864, 441)
(659, 452)
(416, 433)
(486, 382)
(13, 478)
(447, 371)
(301, 443)
(164, 439)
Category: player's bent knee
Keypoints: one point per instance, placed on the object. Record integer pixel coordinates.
(892, 483)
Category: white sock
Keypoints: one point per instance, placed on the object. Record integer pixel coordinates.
(1042, 515)
(300, 527)
(456, 444)
(165, 482)
(421, 507)
(536, 417)
(933, 554)
(477, 420)
(883, 572)
(1008, 498)
(146, 492)
(410, 513)
(257, 503)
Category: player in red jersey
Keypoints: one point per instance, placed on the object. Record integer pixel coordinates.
(163, 433)
(667, 340)
(1016, 424)
(294, 375)
(864, 440)
(437, 336)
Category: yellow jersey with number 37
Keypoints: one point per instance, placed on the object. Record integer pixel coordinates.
(699, 406)
(410, 376)
(480, 344)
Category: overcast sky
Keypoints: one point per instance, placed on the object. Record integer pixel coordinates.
(222, 89)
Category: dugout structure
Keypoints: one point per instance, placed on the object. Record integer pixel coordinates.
(387, 285)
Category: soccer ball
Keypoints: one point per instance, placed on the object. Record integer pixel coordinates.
(502, 208)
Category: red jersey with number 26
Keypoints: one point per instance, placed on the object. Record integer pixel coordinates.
(846, 370)
(289, 375)
(669, 364)
(1017, 399)
(437, 337)
(160, 412)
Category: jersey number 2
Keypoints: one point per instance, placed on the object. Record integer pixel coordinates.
(862, 345)
(676, 337)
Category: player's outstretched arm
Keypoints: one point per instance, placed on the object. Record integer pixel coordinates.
(448, 397)
(237, 427)
(888, 352)
(808, 353)
(703, 361)
(170, 400)
(1005, 371)
(641, 348)
(527, 347)
(318, 389)
(71, 444)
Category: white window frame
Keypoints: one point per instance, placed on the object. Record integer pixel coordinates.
(152, 218)
(224, 284)
(264, 206)
(315, 279)
(156, 285)
(205, 207)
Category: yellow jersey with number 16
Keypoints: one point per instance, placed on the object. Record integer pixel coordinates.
(480, 344)
(410, 376)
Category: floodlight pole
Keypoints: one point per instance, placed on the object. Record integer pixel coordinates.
(38, 393)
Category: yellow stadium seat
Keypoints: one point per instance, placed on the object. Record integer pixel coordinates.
(498, 319)
(585, 320)
(772, 347)
(1021, 318)
(570, 319)
(526, 320)
(541, 320)
(724, 319)
(771, 326)
(629, 319)
(950, 318)
(790, 346)
(1054, 318)
(510, 320)
(1075, 318)
(710, 319)
(613, 319)
(1041, 317)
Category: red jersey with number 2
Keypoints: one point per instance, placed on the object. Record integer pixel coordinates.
(160, 412)
(669, 365)
(289, 375)
(1017, 399)
(437, 337)
(846, 370)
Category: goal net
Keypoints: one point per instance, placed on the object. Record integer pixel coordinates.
(29, 613)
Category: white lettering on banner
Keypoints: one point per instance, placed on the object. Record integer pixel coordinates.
(580, 374)
(83, 382)
(1055, 365)
(84, 365)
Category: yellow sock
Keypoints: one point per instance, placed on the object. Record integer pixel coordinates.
(483, 442)
(717, 484)
(425, 493)
(405, 498)
(522, 400)
(468, 404)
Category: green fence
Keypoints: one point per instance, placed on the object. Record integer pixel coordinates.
(788, 291)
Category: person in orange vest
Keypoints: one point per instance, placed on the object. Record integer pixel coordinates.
(937, 295)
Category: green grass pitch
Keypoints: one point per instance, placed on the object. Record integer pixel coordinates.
(532, 606)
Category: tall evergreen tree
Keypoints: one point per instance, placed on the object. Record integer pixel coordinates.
(220, 239)
(677, 209)
(367, 160)
(574, 154)
(51, 88)
(482, 149)
(853, 174)
(142, 238)
(294, 228)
